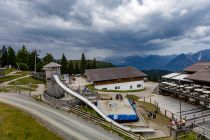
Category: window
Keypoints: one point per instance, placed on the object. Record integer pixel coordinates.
(139, 86)
(104, 88)
(115, 87)
(131, 87)
(118, 87)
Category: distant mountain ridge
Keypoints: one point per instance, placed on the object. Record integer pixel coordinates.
(168, 62)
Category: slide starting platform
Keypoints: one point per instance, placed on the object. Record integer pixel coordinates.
(89, 103)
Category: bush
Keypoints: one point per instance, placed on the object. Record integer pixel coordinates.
(23, 66)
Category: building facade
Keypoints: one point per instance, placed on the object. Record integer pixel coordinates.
(120, 78)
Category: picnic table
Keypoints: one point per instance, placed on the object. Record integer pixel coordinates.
(198, 89)
(206, 91)
(197, 86)
(189, 87)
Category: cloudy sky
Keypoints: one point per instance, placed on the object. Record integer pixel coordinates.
(106, 28)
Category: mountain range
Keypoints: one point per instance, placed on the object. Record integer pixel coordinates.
(167, 62)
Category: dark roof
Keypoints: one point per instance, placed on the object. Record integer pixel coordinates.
(202, 75)
(113, 73)
(197, 67)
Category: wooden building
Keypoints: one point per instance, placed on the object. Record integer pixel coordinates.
(193, 83)
(119, 78)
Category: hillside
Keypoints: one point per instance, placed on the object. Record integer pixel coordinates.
(155, 74)
(99, 64)
(178, 63)
(143, 62)
(167, 62)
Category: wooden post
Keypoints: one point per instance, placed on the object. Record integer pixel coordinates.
(144, 99)
(111, 125)
(150, 100)
(30, 88)
(165, 112)
(19, 89)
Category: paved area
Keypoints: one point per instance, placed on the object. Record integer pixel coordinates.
(173, 104)
(69, 126)
(39, 90)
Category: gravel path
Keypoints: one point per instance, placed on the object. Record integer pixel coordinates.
(6, 83)
(69, 126)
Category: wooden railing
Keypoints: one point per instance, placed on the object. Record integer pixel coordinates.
(87, 115)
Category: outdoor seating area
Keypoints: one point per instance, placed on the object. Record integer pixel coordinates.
(176, 83)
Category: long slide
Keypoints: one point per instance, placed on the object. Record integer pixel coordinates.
(57, 79)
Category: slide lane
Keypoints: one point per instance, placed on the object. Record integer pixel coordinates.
(57, 79)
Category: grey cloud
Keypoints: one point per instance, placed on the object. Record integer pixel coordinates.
(111, 27)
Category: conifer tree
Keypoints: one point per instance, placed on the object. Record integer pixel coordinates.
(83, 64)
(64, 64)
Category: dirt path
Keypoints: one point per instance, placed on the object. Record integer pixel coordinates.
(6, 83)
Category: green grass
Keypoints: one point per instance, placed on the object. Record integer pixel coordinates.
(17, 125)
(91, 87)
(89, 110)
(8, 71)
(132, 97)
(110, 129)
(189, 136)
(161, 121)
(26, 81)
(8, 78)
(11, 77)
(23, 73)
(16, 88)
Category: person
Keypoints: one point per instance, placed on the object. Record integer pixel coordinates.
(149, 115)
(172, 122)
(183, 122)
(117, 97)
(154, 115)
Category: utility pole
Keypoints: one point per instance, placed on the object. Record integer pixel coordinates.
(35, 53)
(180, 102)
(35, 60)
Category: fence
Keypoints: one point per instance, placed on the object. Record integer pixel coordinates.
(163, 111)
(202, 131)
(91, 116)
(16, 88)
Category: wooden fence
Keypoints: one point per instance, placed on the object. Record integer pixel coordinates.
(89, 116)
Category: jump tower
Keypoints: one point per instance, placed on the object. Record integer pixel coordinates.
(53, 88)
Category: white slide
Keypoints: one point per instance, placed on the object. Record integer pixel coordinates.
(57, 79)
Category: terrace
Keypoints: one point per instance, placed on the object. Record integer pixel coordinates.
(177, 84)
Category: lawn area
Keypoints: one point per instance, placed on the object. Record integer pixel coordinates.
(91, 87)
(14, 88)
(8, 78)
(189, 136)
(132, 97)
(161, 121)
(8, 71)
(11, 77)
(17, 125)
(23, 73)
(26, 81)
